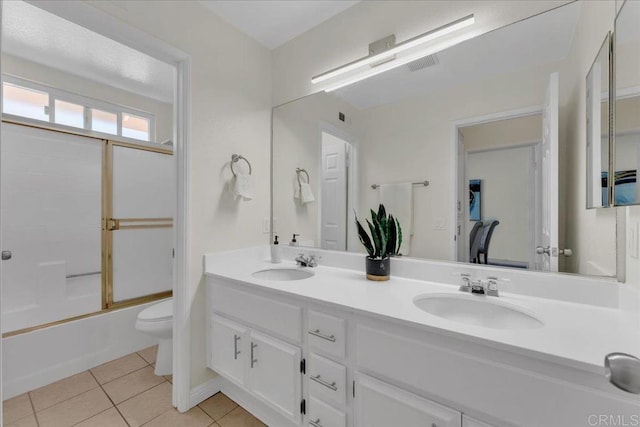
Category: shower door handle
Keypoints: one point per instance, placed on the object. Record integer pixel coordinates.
(6, 255)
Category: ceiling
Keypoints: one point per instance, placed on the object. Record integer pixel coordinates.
(274, 22)
(542, 39)
(31, 33)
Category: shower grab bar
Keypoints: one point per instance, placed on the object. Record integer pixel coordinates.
(93, 273)
(423, 183)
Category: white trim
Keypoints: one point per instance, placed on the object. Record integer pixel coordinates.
(203, 391)
(182, 277)
(102, 23)
(453, 149)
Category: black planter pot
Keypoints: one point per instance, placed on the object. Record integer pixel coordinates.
(378, 269)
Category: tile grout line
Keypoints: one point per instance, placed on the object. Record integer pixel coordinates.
(120, 377)
(33, 408)
(110, 400)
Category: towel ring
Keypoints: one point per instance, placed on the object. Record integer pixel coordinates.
(234, 159)
(299, 171)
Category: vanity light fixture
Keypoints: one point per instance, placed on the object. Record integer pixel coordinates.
(382, 53)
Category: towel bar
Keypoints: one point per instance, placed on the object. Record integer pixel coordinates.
(423, 183)
(234, 159)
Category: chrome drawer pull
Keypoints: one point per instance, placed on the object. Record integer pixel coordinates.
(318, 334)
(236, 352)
(320, 381)
(253, 361)
(315, 423)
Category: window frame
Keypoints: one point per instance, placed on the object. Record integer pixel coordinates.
(88, 104)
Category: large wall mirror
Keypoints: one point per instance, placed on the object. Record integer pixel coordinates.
(473, 149)
(627, 106)
(597, 117)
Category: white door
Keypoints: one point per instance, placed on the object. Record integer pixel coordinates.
(229, 344)
(382, 405)
(274, 374)
(334, 193)
(548, 243)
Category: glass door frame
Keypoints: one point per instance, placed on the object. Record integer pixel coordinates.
(107, 302)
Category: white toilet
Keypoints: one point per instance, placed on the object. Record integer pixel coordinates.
(157, 320)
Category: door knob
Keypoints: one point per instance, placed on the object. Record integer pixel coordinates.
(623, 371)
(6, 255)
(540, 250)
(565, 252)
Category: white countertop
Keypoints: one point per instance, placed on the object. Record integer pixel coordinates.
(576, 335)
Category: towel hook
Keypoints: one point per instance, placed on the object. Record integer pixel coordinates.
(299, 171)
(234, 159)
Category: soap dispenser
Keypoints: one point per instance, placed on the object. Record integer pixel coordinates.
(276, 258)
(293, 241)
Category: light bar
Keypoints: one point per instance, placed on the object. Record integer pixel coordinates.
(398, 62)
(401, 47)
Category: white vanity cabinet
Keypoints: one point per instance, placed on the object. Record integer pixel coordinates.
(379, 404)
(249, 352)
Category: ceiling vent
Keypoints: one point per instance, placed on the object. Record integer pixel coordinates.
(421, 63)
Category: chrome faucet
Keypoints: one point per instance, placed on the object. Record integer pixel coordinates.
(306, 261)
(480, 287)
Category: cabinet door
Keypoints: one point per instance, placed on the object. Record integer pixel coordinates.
(382, 405)
(274, 372)
(229, 346)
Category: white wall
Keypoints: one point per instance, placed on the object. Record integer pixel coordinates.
(59, 79)
(411, 141)
(297, 128)
(230, 113)
(590, 233)
(346, 36)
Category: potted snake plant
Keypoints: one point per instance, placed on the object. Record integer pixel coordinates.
(384, 242)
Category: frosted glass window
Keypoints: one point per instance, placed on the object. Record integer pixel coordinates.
(135, 127)
(104, 121)
(24, 102)
(69, 114)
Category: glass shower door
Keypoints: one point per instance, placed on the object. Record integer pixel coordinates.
(139, 229)
(51, 214)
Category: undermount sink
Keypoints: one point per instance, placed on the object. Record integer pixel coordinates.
(283, 274)
(476, 310)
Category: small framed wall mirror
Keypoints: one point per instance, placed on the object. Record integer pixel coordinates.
(598, 128)
(626, 146)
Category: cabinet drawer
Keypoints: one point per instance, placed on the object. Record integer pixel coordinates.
(327, 380)
(280, 318)
(327, 334)
(323, 415)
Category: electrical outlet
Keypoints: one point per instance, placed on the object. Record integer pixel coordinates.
(266, 225)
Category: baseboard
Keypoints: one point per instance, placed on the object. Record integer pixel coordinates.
(204, 391)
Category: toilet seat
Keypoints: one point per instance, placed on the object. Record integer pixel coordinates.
(160, 312)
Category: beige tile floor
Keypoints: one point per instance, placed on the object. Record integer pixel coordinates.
(120, 393)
